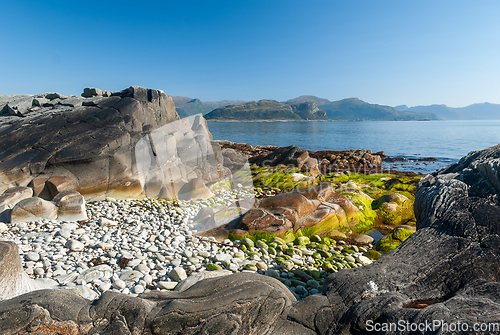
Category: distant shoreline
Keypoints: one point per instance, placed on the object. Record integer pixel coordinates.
(310, 120)
(273, 120)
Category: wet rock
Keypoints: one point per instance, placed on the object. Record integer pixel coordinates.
(394, 208)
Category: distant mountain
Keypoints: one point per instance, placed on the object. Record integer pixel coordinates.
(401, 108)
(305, 98)
(356, 109)
(481, 111)
(222, 103)
(186, 106)
(267, 110)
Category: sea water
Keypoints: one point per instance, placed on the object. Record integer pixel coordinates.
(446, 140)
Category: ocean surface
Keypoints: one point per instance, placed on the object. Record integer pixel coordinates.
(446, 140)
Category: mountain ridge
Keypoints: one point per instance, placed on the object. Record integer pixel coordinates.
(267, 109)
(476, 111)
(352, 109)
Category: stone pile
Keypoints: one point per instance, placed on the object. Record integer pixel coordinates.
(138, 246)
(17, 204)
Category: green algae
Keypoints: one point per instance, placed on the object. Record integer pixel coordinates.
(393, 240)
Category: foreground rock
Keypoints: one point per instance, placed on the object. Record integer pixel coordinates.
(212, 306)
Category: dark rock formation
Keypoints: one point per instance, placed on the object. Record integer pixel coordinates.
(448, 270)
(242, 303)
(292, 155)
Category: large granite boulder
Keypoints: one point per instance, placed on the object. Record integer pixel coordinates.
(123, 144)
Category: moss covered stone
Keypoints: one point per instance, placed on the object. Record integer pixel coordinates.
(302, 240)
(372, 254)
(394, 208)
(213, 267)
(393, 239)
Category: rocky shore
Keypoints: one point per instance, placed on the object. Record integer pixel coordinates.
(156, 228)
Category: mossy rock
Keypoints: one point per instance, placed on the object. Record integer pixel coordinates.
(394, 209)
(372, 254)
(393, 239)
(315, 238)
(213, 267)
(302, 240)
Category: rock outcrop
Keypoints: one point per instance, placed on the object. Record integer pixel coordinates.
(122, 144)
(292, 155)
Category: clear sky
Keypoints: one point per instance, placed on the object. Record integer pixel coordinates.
(386, 52)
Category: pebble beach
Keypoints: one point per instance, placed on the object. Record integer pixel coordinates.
(136, 246)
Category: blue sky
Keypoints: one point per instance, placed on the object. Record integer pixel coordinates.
(386, 52)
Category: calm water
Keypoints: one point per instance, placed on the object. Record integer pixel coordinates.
(446, 140)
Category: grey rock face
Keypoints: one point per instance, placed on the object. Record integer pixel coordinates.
(122, 144)
(90, 144)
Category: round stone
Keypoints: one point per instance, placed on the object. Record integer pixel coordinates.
(39, 271)
(119, 284)
(166, 285)
(138, 289)
(175, 262)
(104, 287)
(142, 268)
(177, 274)
(301, 290)
(75, 245)
(32, 256)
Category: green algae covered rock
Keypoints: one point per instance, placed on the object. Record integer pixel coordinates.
(302, 240)
(393, 239)
(372, 254)
(247, 242)
(394, 208)
(213, 267)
